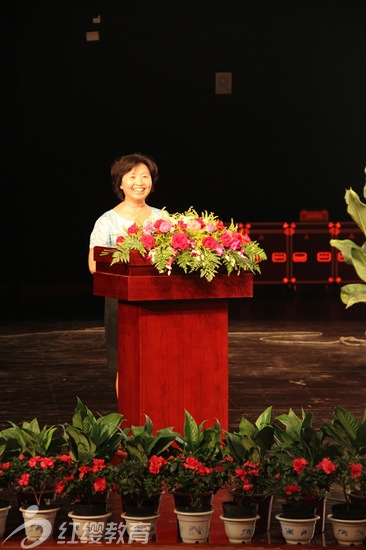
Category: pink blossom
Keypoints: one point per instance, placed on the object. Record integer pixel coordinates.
(148, 241)
(132, 230)
(209, 242)
(194, 225)
(164, 226)
(180, 241)
(210, 227)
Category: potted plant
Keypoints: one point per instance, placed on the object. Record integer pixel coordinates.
(348, 518)
(296, 437)
(36, 475)
(239, 515)
(250, 444)
(352, 253)
(6, 478)
(300, 485)
(141, 476)
(25, 441)
(347, 433)
(93, 443)
(196, 473)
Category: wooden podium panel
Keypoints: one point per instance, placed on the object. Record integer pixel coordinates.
(174, 356)
(172, 341)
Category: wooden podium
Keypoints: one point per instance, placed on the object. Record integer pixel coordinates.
(173, 340)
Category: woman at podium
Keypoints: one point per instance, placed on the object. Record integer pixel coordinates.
(133, 179)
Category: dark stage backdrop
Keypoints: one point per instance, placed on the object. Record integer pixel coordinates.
(291, 135)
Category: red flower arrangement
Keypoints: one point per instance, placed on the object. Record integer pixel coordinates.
(38, 474)
(298, 481)
(83, 480)
(193, 243)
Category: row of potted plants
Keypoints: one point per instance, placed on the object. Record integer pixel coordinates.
(90, 456)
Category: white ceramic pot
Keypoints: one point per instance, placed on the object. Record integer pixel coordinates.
(3, 515)
(38, 524)
(140, 529)
(89, 528)
(348, 532)
(239, 530)
(297, 531)
(194, 526)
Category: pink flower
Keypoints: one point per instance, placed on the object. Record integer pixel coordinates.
(209, 242)
(132, 230)
(120, 240)
(180, 241)
(210, 227)
(164, 226)
(148, 241)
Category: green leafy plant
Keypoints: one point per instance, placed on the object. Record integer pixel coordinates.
(346, 432)
(296, 437)
(89, 437)
(143, 472)
(198, 467)
(352, 253)
(29, 439)
(246, 453)
(251, 441)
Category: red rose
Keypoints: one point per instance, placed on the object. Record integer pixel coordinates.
(148, 241)
(209, 242)
(180, 241)
(132, 230)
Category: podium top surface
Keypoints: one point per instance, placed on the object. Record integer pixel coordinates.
(140, 281)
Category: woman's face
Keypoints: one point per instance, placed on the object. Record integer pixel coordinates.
(137, 183)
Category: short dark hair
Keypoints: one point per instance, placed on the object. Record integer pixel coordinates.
(123, 165)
